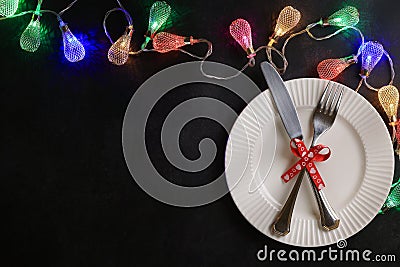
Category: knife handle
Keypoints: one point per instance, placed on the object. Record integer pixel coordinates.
(281, 225)
(329, 219)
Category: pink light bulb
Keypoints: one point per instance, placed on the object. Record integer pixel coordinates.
(241, 31)
(165, 42)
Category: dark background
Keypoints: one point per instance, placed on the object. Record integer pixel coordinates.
(67, 196)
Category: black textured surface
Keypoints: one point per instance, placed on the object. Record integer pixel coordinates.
(67, 196)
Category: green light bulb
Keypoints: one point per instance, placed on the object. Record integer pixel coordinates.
(393, 200)
(30, 38)
(159, 14)
(347, 16)
(8, 7)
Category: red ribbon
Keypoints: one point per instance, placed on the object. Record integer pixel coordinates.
(307, 158)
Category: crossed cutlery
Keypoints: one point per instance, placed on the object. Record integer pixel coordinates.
(323, 118)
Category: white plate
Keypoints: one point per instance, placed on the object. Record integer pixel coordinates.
(358, 174)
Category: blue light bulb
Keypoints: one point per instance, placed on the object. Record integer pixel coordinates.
(372, 53)
(73, 49)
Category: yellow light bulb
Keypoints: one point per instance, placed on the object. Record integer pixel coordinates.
(287, 20)
(389, 99)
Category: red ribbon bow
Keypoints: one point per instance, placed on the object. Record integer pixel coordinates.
(307, 158)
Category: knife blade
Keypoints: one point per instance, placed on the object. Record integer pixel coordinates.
(283, 101)
(290, 120)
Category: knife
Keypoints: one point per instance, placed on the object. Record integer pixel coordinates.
(289, 117)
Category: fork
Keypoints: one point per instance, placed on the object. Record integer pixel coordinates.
(323, 118)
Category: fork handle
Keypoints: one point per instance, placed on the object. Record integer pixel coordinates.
(281, 225)
(329, 219)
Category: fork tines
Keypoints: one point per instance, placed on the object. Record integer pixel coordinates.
(330, 99)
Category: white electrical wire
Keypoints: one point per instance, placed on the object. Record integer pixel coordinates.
(127, 16)
(68, 7)
(58, 15)
(120, 5)
(311, 35)
(209, 51)
(250, 63)
(18, 15)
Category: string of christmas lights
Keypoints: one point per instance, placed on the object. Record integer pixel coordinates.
(345, 19)
(30, 37)
(163, 42)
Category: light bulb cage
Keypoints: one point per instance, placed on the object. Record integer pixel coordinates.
(351, 18)
(288, 18)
